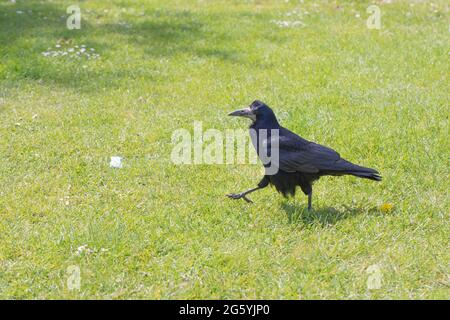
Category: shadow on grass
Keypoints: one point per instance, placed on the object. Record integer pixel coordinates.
(29, 28)
(299, 214)
(20, 21)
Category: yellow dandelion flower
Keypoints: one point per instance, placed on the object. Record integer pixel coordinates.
(386, 207)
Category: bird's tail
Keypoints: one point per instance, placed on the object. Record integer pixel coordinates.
(371, 174)
(345, 167)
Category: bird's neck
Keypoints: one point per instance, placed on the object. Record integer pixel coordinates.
(265, 124)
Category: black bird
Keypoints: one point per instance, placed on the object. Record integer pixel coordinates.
(301, 162)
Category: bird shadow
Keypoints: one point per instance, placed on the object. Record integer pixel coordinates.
(326, 216)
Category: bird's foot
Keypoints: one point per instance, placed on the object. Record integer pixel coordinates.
(239, 196)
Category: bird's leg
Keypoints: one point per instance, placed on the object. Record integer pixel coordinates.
(243, 195)
(310, 201)
(264, 183)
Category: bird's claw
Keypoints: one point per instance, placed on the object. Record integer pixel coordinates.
(239, 196)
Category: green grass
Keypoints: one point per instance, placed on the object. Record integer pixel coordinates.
(379, 97)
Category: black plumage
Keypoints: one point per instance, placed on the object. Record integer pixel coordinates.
(301, 162)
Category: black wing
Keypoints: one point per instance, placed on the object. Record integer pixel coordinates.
(298, 154)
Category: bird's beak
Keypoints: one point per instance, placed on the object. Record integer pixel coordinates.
(243, 113)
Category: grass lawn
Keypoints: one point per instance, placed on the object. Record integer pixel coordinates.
(154, 229)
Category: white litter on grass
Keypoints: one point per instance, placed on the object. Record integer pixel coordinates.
(116, 162)
(76, 52)
(83, 249)
(288, 24)
(296, 12)
(124, 24)
(294, 19)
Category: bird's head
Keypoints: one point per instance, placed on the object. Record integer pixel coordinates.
(258, 111)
